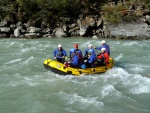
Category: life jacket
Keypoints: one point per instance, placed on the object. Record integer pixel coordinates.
(88, 52)
(79, 56)
(75, 60)
(104, 57)
(59, 54)
(92, 58)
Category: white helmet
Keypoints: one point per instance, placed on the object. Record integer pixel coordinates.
(59, 45)
(103, 41)
(103, 49)
(90, 45)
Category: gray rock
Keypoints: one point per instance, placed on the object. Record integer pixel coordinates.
(82, 28)
(33, 29)
(59, 32)
(3, 23)
(130, 30)
(31, 35)
(5, 29)
(16, 32)
(94, 37)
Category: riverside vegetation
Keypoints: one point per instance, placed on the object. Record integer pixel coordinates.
(121, 19)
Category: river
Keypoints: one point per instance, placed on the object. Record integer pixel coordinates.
(27, 87)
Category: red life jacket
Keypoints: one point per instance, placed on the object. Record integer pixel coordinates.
(104, 56)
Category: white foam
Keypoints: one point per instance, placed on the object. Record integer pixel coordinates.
(85, 45)
(12, 43)
(119, 57)
(110, 90)
(140, 89)
(71, 110)
(29, 59)
(117, 71)
(117, 42)
(140, 85)
(13, 61)
(28, 49)
(137, 68)
(134, 83)
(86, 101)
(130, 43)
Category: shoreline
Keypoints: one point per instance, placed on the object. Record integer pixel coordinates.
(132, 30)
(117, 38)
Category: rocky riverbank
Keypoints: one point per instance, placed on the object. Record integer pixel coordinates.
(85, 27)
(93, 25)
(132, 31)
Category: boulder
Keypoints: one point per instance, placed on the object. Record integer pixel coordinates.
(17, 32)
(59, 32)
(99, 22)
(31, 22)
(130, 30)
(5, 29)
(45, 23)
(33, 29)
(3, 23)
(82, 27)
(31, 35)
(94, 37)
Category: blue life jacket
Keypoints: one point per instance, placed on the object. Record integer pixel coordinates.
(59, 53)
(92, 58)
(75, 60)
(77, 51)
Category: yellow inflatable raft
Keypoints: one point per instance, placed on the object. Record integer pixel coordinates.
(60, 68)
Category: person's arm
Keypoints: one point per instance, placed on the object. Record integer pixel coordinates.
(106, 58)
(90, 60)
(99, 56)
(70, 53)
(85, 52)
(75, 60)
(98, 48)
(108, 49)
(64, 53)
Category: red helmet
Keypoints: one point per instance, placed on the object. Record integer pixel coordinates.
(76, 46)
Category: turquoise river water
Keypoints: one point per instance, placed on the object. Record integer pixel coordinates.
(27, 87)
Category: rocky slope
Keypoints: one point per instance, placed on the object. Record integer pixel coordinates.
(121, 20)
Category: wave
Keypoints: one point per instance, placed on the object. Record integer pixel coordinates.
(13, 61)
(84, 101)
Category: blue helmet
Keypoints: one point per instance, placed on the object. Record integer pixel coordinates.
(73, 50)
(91, 51)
